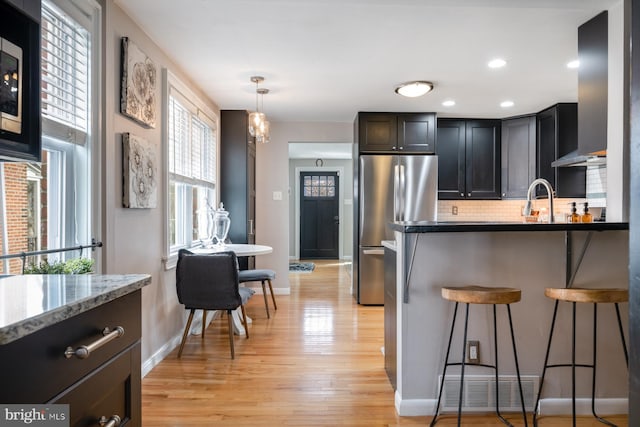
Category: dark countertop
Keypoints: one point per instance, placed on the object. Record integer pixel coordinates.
(33, 301)
(475, 226)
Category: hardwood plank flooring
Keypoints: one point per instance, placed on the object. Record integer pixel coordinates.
(316, 362)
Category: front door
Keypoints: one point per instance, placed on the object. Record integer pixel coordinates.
(319, 219)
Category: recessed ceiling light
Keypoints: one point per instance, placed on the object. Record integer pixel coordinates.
(497, 63)
(573, 64)
(449, 103)
(506, 104)
(414, 89)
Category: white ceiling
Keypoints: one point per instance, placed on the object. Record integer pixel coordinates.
(325, 60)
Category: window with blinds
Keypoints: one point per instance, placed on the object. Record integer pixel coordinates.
(191, 150)
(192, 146)
(65, 76)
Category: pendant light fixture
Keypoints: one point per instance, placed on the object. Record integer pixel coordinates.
(258, 124)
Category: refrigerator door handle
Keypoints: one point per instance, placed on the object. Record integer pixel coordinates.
(373, 251)
(396, 193)
(402, 191)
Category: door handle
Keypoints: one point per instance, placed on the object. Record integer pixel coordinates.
(373, 251)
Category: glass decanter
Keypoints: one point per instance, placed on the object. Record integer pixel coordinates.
(221, 224)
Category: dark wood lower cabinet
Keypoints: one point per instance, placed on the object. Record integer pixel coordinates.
(112, 390)
(390, 313)
(106, 383)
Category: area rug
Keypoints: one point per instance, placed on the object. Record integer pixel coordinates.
(302, 266)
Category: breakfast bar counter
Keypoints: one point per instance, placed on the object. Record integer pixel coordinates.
(528, 256)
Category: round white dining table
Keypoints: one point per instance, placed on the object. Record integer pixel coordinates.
(240, 249)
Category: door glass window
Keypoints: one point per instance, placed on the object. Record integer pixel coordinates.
(319, 186)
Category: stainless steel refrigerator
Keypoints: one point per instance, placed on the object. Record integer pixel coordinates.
(389, 188)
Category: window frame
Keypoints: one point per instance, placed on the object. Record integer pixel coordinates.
(78, 151)
(202, 111)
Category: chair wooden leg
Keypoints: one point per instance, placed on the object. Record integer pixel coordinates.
(204, 321)
(244, 321)
(273, 297)
(186, 332)
(266, 304)
(233, 353)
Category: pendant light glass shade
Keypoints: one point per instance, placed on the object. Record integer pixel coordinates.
(258, 124)
(255, 121)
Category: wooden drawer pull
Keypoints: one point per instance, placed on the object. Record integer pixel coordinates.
(85, 351)
(113, 421)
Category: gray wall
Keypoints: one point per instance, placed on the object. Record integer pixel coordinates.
(134, 238)
(272, 170)
(346, 200)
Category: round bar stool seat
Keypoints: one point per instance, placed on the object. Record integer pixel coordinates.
(596, 296)
(576, 296)
(481, 295)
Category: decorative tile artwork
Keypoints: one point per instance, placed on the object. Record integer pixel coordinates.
(138, 87)
(140, 170)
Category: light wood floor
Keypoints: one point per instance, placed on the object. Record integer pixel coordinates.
(316, 362)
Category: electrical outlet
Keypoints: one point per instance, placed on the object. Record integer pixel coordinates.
(454, 210)
(473, 352)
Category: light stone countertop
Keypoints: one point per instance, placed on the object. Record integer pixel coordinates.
(29, 303)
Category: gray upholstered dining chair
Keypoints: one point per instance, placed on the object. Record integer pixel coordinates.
(210, 282)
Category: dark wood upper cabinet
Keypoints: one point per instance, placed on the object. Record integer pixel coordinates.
(396, 132)
(557, 136)
(593, 84)
(469, 159)
(518, 156)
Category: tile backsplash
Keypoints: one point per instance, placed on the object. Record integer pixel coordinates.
(500, 210)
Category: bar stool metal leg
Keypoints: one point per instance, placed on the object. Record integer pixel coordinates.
(446, 363)
(464, 353)
(573, 365)
(544, 368)
(624, 343)
(515, 358)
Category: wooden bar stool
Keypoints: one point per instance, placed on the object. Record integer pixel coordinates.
(581, 295)
(480, 295)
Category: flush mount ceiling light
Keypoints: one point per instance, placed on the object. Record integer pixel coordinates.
(414, 89)
(507, 104)
(258, 124)
(497, 63)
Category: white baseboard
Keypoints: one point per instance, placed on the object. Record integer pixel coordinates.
(548, 407)
(159, 355)
(554, 406)
(414, 407)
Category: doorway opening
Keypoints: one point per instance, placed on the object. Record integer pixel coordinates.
(319, 214)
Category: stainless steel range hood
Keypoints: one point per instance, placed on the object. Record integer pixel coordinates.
(576, 159)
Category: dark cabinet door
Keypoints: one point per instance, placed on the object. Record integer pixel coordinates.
(518, 156)
(483, 159)
(238, 178)
(557, 136)
(468, 159)
(377, 132)
(417, 133)
(390, 317)
(396, 132)
(451, 159)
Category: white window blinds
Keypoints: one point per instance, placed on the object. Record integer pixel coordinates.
(192, 145)
(65, 76)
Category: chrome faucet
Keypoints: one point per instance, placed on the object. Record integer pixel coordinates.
(545, 184)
